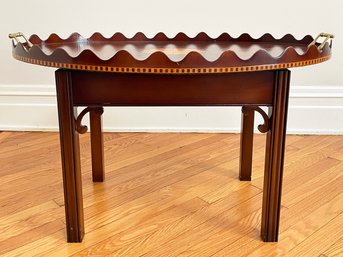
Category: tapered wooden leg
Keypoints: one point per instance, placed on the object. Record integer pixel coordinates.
(97, 143)
(275, 148)
(71, 167)
(246, 149)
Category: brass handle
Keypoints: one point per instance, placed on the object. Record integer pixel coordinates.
(327, 38)
(14, 36)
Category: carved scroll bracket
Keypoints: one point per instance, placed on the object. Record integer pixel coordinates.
(78, 123)
(265, 127)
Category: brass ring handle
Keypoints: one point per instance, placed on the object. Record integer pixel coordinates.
(327, 38)
(14, 36)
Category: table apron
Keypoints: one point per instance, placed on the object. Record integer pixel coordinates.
(122, 89)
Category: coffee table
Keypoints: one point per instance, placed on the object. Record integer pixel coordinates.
(180, 71)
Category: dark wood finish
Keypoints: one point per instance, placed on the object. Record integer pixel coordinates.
(179, 71)
(246, 149)
(97, 143)
(274, 159)
(71, 167)
(180, 54)
(116, 89)
(176, 49)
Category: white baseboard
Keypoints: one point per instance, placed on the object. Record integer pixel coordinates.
(312, 110)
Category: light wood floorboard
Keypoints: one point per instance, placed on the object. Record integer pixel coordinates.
(170, 194)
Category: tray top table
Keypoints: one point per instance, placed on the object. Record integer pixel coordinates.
(180, 71)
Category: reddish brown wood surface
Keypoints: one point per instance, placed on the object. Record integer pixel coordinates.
(70, 150)
(96, 89)
(97, 144)
(179, 71)
(274, 158)
(180, 54)
(246, 149)
(114, 89)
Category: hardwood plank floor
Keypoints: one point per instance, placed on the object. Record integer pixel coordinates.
(170, 194)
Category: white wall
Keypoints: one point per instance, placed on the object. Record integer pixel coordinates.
(27, 98)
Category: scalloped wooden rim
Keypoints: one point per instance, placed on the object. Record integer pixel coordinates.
(288, 49)
(185, 63)
(180, 35)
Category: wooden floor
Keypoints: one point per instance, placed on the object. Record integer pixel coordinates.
(170, 195)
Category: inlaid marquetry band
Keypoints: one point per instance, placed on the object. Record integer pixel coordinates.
(171, 70)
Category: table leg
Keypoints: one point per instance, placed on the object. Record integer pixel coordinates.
(246, 149)
(71, 166)
(275, 147)
(97, 143)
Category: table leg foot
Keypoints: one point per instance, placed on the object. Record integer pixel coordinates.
(70, 151)
(275, 147)
(246, 148)
(97, 144)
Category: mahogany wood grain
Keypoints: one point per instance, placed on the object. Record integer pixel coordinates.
(114, 89)
(274, 159)
(179, 71)
(97, 143)
(71, 166)
(179, 55)
(259, 88)
(246, 149)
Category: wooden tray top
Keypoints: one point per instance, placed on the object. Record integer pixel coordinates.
(181, 54)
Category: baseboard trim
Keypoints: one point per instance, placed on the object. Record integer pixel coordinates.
(313, 110)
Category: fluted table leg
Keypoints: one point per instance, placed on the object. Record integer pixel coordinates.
(275, 147)
(70, 151)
